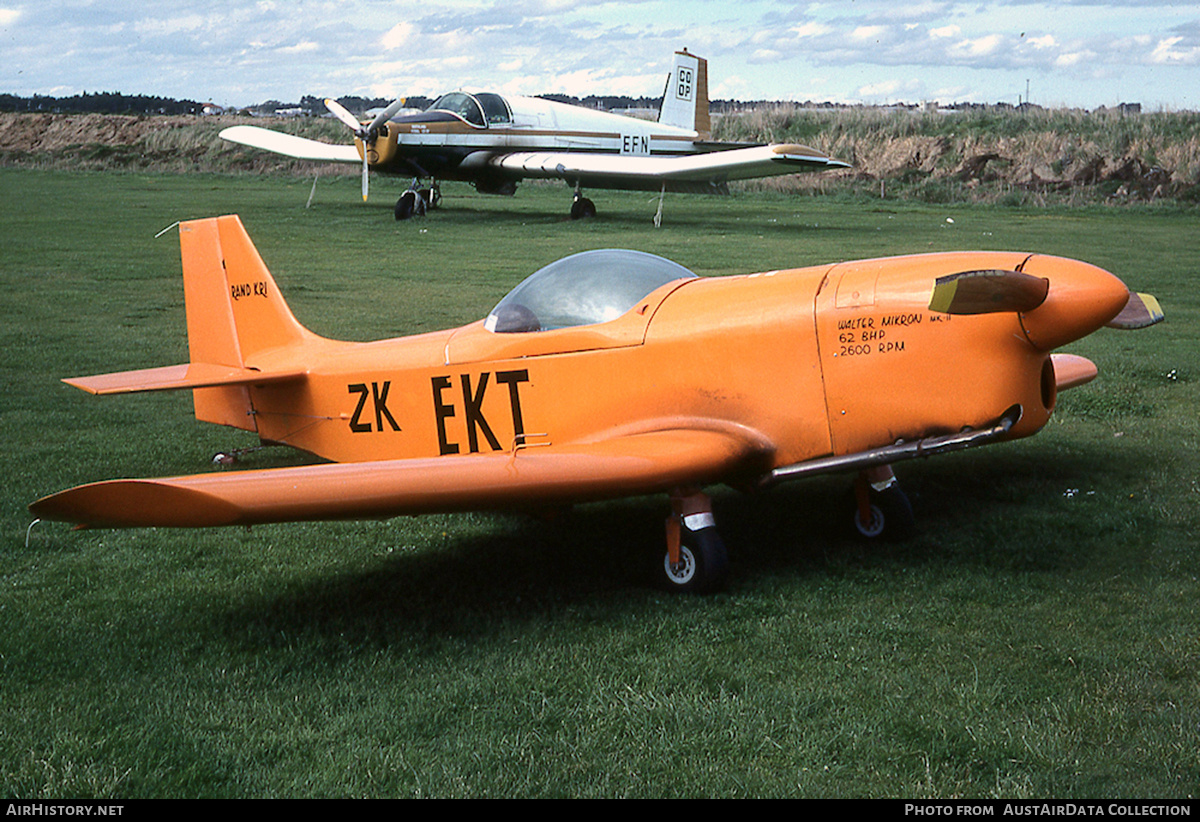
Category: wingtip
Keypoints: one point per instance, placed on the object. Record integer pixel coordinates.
(135, 504)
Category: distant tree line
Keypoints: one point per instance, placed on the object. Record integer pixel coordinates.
(110, 102)
(104, 102)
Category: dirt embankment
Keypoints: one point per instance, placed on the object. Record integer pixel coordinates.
(1036, 162)
(151, 143)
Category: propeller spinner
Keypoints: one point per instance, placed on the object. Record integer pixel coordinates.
(366, 133)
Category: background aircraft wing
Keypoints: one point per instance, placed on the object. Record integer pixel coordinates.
(686, 172)
(529, 478)
(290, 145)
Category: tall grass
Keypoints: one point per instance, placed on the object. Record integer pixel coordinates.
(1065, 155)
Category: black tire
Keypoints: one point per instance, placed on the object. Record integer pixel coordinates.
(405, 205)
(703, 566)
(582, 209)
(892, 516)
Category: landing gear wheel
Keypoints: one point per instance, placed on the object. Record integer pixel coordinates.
(703, 565)
(406, 205)
(891, 516)
(582, 208)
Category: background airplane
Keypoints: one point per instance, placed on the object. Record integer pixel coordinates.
(495, 141)
(616, 373)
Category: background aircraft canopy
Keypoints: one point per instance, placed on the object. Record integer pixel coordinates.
(481, 109)
(585, 288)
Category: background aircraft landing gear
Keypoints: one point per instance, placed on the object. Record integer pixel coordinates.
(879, 508)
(416, 201)
(696, 560)
(582, 207)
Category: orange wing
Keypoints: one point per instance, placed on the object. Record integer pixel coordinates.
(529, 478)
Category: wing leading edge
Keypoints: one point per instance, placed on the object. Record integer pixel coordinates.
(529, 478)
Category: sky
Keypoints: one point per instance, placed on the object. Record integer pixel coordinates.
(1073, 53)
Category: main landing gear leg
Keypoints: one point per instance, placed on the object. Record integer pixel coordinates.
(881, 509)
(582, 207)
(696, 560)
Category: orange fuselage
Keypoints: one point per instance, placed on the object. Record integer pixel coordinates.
(832, 359)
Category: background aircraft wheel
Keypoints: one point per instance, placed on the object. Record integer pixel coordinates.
(406, 205)
(891, 519)
(582, 208)
(703, 563)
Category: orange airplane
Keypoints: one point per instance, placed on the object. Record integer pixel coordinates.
(616, 373)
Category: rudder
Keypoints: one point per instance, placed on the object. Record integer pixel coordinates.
(234, 312)
(685, 99)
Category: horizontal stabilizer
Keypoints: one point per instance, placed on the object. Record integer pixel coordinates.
(1142, 311)
(1071, 370)
(290, 145)
(987, 292)
(529, 478)
(175, 377)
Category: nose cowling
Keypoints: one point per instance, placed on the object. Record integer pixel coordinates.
(1081, 298)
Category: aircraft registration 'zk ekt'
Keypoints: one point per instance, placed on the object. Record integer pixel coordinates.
(495, 141)
(597, 377)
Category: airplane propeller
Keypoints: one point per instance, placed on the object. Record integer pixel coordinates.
(987, 291)
(366, 133)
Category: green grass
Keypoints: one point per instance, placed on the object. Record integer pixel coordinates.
(1037, 639)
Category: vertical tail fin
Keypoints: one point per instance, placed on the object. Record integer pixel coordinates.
(234, 309)
(685, 100)
(235, 316)
(234, 312)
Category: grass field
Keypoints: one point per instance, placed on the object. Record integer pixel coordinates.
(1038, 639)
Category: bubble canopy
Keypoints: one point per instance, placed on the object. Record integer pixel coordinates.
(583, 289)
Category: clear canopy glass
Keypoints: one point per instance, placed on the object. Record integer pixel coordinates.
(482, 109)
(583, 289)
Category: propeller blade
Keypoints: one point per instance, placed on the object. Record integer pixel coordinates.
(342, 113)
(365, 175)
(1142, 311)
(988, 291)
(385, 115)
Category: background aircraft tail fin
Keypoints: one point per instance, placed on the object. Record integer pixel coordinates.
(685, 99)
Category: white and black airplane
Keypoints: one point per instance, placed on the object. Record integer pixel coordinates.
(495, 141)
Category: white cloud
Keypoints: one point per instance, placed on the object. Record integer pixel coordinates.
(765, 56)
(1071, 59)
(9, 16)
(301, 48)
(1166, 52)
(810, 29)
(399, 35)
(977, 47)
(864, 33)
